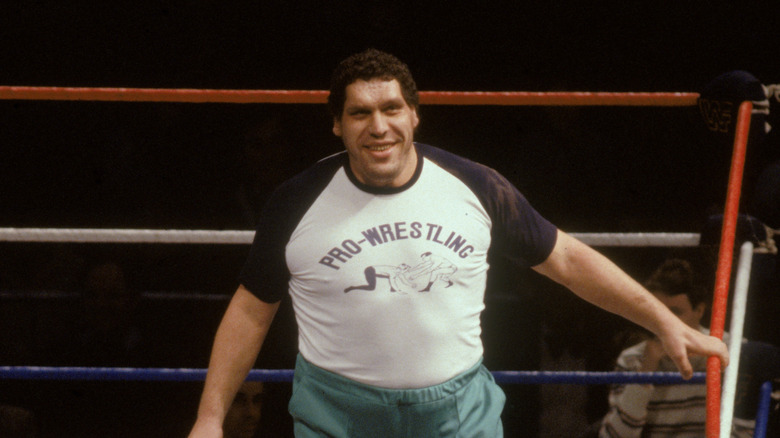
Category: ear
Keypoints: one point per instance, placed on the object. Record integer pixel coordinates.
(336, 127)
(415, 118)
(700, 309)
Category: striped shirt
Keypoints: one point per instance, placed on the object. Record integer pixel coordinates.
(644, 410)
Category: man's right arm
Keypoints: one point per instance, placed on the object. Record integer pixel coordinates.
(236, 346)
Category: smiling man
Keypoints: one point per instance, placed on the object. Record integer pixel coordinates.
(377, 127)
(385, 361)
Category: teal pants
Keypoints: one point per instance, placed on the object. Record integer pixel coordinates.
(325, 404)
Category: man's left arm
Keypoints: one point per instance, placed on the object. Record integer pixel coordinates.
(597, 280)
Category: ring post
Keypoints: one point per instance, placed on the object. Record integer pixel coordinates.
(723, 273)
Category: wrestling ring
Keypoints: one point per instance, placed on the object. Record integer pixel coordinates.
(720, 389)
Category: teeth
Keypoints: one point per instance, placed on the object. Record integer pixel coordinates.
(379, 148)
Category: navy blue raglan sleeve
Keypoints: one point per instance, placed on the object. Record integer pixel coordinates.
(518, 233)
(265, 273)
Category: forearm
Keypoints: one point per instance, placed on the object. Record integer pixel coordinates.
(597, 280)
(236, 345)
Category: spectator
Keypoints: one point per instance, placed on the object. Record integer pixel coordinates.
(108, 334)
(243, 418)
(666, 410)
(16, 422)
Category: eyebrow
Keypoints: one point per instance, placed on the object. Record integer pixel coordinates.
(352, 109)
(399, 100)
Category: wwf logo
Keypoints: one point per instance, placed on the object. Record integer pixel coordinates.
(718, 114)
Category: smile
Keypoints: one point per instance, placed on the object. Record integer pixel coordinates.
(379, 148)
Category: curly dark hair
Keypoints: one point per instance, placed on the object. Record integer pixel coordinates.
(367, 65)
(675, 277)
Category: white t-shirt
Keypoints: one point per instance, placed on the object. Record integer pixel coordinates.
(388, 284)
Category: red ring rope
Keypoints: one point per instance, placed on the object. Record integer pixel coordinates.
(320, 96)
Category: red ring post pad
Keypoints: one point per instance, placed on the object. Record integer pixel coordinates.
(320, 96)
(723, 273)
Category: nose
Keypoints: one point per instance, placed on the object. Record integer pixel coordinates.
(255, 410)
(378, 126)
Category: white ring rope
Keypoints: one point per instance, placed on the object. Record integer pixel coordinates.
(237, 237)
(736, 328)
(107, 235)
(639, 239)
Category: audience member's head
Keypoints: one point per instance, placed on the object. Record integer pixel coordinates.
(16, 422)
(676, 285)
(243, 417)
(107, 299)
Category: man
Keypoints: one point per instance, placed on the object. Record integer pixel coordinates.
(667, 410)
(378, 363)
(243, 417)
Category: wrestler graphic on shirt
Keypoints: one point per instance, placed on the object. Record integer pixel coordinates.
(404, 278)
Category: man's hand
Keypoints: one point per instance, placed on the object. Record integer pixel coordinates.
(684, 341)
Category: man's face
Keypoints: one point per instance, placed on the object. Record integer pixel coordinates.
(377, 126)
(244, 414)
(680, 305)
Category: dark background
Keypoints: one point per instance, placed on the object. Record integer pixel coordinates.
(210, 166)
(184, 165)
